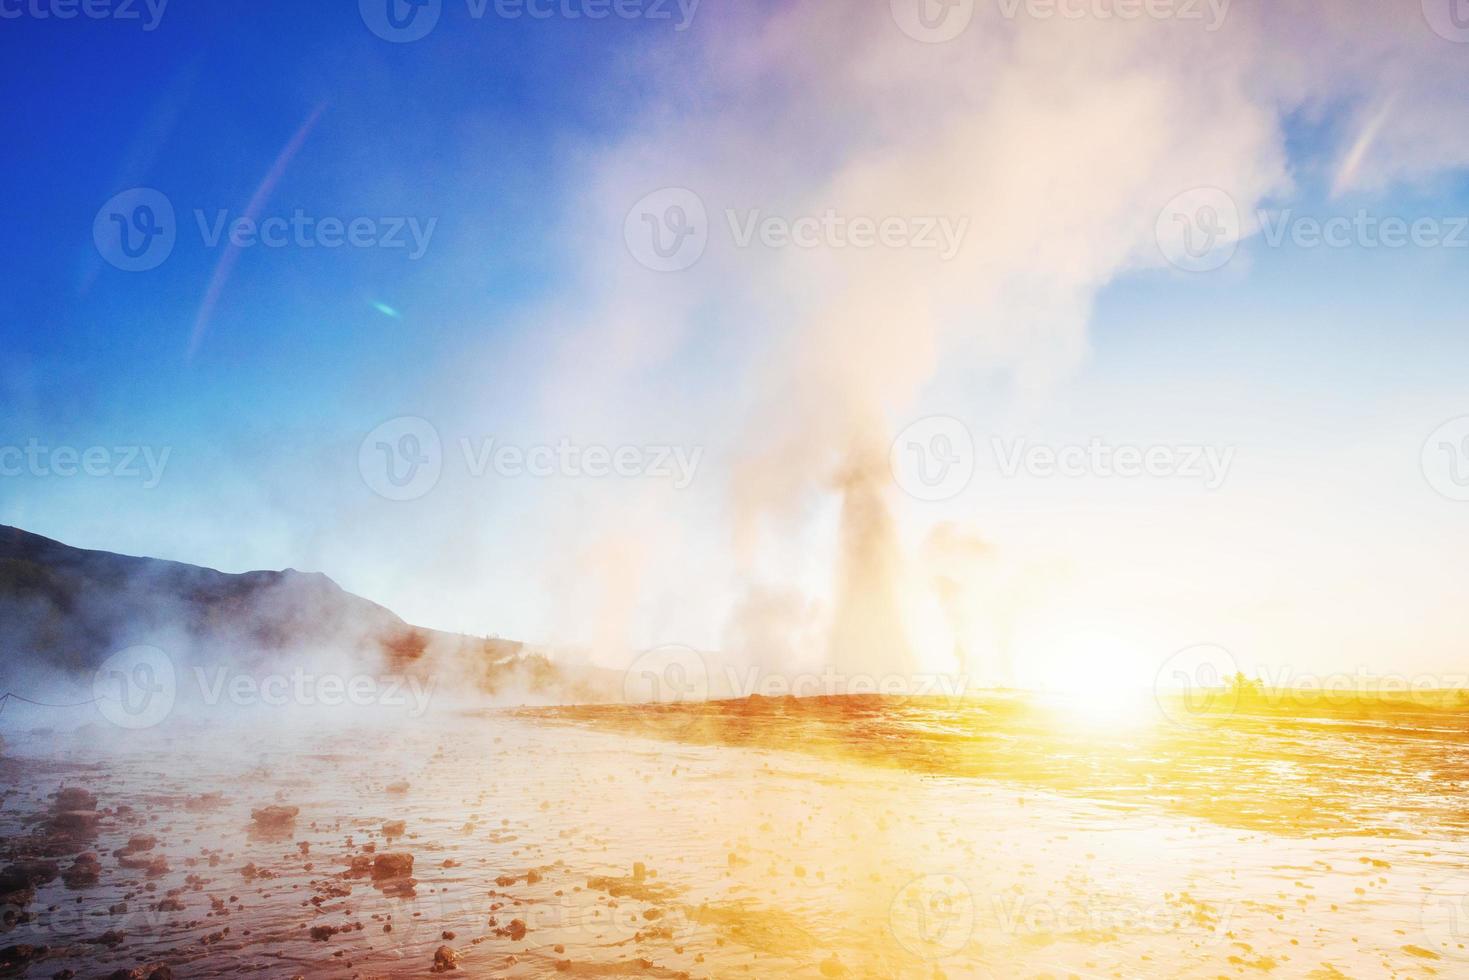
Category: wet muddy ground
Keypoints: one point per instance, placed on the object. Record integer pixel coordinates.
(540, 845)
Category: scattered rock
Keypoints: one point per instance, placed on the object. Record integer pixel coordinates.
(275, 816)
(17, 958)
(204, 802)
(84, 871)
(74, 823)
(75, 798)
(395, 864)
(142, 973)
(18, 881)
(445, 959)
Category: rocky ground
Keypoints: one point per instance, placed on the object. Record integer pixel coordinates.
(498, 844)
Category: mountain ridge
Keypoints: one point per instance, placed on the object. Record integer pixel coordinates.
(70, 608)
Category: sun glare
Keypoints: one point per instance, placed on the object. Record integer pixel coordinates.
(1100, 677)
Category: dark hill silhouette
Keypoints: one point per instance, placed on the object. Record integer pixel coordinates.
(69, 608)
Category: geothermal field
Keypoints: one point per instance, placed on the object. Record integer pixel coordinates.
(991, 836)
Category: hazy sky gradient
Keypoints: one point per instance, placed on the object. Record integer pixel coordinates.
(526, 320)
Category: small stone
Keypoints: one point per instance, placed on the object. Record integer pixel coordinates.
(275, 816)
(396, 864)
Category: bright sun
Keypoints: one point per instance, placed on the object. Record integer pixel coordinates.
(1101, 676)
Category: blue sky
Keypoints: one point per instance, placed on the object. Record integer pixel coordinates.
(525, 142)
